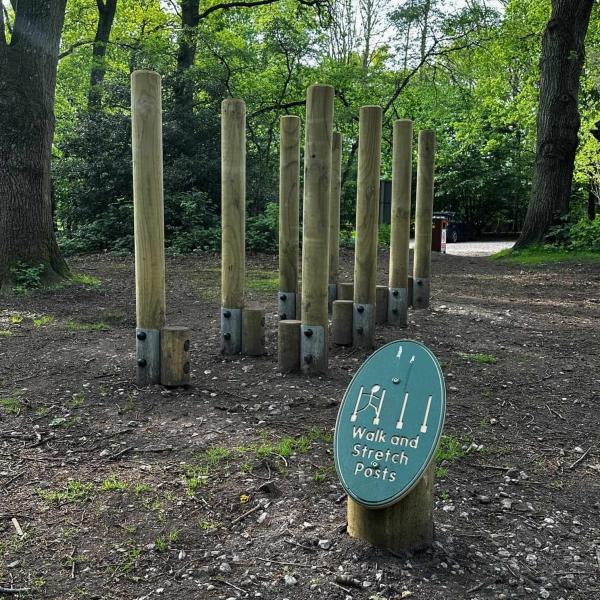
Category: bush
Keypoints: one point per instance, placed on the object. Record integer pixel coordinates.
(583, 235)
(385, 232)
(262, 231)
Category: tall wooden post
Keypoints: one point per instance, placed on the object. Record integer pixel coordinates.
(334, 215)
(148, 217)
(233, 214)
(315, 243)
(423, 219)
(289, 190)
(367, 215)
(400, 232)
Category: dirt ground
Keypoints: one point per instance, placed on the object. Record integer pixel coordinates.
(226, 489)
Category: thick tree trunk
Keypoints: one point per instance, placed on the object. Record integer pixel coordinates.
(27, 85)
(106, 17)
(562, 58)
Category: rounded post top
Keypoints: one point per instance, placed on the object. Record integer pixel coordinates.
(145, 73)
(290, 119)
(233, 105)
(403, 122)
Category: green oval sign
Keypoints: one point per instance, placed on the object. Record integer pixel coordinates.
(389, 423)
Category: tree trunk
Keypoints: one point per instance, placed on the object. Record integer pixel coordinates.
(562, 58)
(183, 88)
(106, 17)
(27, 85)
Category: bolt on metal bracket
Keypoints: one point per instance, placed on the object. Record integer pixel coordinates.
(421, 291)
(398, 306)
(231, 330)
(313, 351)
(287, 305)
(363, 325)
(147, 355)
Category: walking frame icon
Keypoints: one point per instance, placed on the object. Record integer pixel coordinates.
(377, 406)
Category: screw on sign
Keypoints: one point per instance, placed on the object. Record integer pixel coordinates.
(389, 423)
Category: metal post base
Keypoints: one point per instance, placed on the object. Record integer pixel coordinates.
(313, 350)
(421, 289)
(331, 295)
(287, 305)
(231, 330)
(363, 325)
(398, 306)
(147, 354)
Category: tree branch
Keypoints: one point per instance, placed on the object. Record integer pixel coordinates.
(236, 4)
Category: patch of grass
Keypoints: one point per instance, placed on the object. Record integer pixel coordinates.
(5, 332)
(75, 326)
(195, 477)
(77, 400)
(263, 281)
(43, 320)
(15, 319)
(112, 483)
(207, 525)
(141, 488)
(130, 560)
(42, 411)
(444, 495)
(213, 456)
(450, 449)
(163, 542)
(441, 472)
(486, 359)
(11, 404)
(74, 492)
(85, 280)
(544, 254)
(322, 473)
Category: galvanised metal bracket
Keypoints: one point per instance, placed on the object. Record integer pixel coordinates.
(231, 330)
(147, 355)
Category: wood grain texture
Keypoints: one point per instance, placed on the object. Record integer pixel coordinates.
(342, 322)
(406, 525)
(288, 348)
(424, 207)
(334, 207)
(345, 291)
(233, 202)
(253, 331)
(317, 178)
(175, 356)
(367, 204)
(148, 210)
(401, 195)
(289, 192)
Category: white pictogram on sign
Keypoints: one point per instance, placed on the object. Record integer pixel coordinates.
(372, 397)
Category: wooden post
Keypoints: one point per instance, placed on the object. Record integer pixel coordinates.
(334, 215)
(341, 328)
(289, 190)
(406, 525)
(233, 214)
(315, 244)
(381, 304)
(253, 331)
(288, 349)
(398, 300)
(367, 214)
(423, 219)
(175, 356)
(345, 291)
(148, 218)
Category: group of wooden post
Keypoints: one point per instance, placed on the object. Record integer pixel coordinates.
(303, 336)
(356, 307)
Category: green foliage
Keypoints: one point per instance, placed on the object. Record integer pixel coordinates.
(76, 326)
(11, 404)
(113, 483)
(43, 320)
(74, 492)
(545, 254)
(262, 231)
(486, 359)
(384, 235)
(26, 277)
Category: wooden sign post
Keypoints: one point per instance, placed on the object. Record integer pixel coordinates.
(388, 428)
(423, 219)
(233, 215)
(400, 231)
(148, 218)
(334, 215)
(315, 241)
(367, 214)
(289, 216)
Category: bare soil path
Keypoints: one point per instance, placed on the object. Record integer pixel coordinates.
(227, 490)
